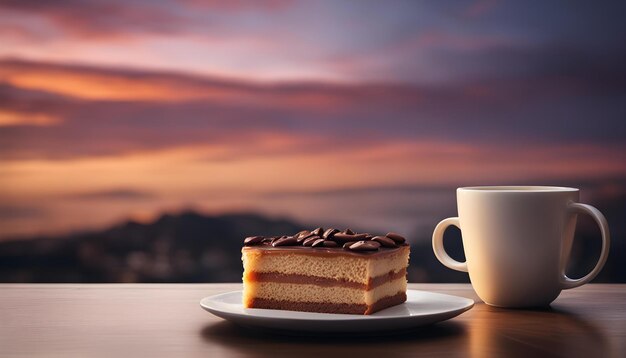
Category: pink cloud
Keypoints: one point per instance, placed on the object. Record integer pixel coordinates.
(112, 111)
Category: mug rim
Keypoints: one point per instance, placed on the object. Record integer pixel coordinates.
(518, 189)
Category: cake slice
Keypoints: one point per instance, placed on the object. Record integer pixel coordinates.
(325, 271)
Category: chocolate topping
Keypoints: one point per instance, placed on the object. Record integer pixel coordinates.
(318, 242)
(331, 238)
(301, 234)
(252, 240)
(396, 237)
(309, 241)
(329, 233)
(384, 241)
(285, 241)
(301, 237)
(276, 238)
(359, 237)
(364, 246)
(341, 237)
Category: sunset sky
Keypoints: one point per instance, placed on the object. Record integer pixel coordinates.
(364, 113)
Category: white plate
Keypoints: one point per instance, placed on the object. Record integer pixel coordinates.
(421, 308)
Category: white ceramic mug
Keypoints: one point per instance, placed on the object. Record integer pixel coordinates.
(517, 241)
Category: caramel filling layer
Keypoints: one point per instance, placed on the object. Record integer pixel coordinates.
(345, 308)
(372, 282)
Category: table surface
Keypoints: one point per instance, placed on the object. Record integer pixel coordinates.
(148, 320)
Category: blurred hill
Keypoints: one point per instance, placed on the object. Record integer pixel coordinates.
(187, 247)
(191, 247)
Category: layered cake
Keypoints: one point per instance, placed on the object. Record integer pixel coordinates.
(328, 271)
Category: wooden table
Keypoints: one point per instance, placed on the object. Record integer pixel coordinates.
(166, 320)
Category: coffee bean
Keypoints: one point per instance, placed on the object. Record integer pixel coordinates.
(364, 246)
(341, 237)
(384, 241)
(329, 233)
(285, 241)
(396, 237)
(301, 234)
(330, 238)
(252, 240)
(318, 243)
(304, 236)
(309, 241)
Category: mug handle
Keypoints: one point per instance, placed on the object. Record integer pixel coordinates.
(577, 208)
(438, 248)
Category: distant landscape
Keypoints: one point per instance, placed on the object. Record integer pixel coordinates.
(191, 247)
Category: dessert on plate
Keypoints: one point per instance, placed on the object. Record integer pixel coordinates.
(327, 271)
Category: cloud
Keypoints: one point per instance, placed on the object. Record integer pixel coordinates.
(411, 42)
(123, 20)
(10, 118)
(238, 5)
(122, 194)
(20, 212)
(112, 111)
(551, 62)
(479, 8)
(116, 83)
(100, 18)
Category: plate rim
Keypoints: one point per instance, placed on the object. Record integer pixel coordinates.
(466, 306)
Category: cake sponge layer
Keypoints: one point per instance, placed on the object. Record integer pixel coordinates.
(346, 267)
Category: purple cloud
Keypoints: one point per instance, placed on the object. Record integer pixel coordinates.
(362, 41)
(511, 111)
